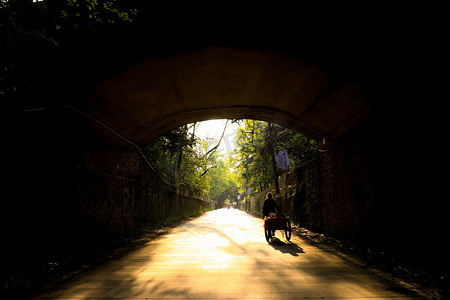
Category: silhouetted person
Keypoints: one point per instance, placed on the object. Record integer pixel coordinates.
(270, 205)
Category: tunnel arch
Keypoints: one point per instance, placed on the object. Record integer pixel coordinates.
(156, 95)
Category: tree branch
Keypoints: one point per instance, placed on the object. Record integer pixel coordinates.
(204, 173)
(217, 146)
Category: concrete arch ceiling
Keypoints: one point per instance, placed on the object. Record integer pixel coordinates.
(159, 94)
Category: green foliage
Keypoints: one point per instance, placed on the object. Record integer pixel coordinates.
(222, 181)
(175, 158)
(34, 34)
(22, 38)
(92, 14)
(252, 155)
(256, 144)
(184, 159)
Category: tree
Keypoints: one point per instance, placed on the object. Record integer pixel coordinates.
(39, 39)
(257, 142)
(185, 160)
(92, 16)
(255, 151)
(271, 152)
(221, 181)
(177, 159)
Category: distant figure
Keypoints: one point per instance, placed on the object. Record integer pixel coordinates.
(270, 205)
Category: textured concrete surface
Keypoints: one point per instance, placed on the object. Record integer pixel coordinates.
(156, 95)
(223, 255)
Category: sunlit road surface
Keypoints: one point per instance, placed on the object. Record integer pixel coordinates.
(224, 255)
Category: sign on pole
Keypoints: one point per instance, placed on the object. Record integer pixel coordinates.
(282, 161)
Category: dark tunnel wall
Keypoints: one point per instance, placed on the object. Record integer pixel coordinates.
(79, 191)
(360, 192)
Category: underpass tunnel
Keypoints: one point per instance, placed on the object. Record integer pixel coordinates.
(93, 157)
(366, 106)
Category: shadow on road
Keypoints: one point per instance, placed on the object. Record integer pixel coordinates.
(286, 247)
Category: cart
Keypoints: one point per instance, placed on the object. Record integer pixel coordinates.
(277, 223)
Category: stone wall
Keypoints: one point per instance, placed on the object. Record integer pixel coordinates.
(118, 193)
(76, 189)
(302, 197)
(347, 187)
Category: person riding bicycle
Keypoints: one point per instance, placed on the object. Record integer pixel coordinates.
(270, 205)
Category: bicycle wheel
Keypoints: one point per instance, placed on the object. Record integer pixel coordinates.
(288, 231)
(267, 234)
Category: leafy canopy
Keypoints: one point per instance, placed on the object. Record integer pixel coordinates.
(184, 159)
(256, 143)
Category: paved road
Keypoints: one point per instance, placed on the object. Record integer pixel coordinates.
(223, 255)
